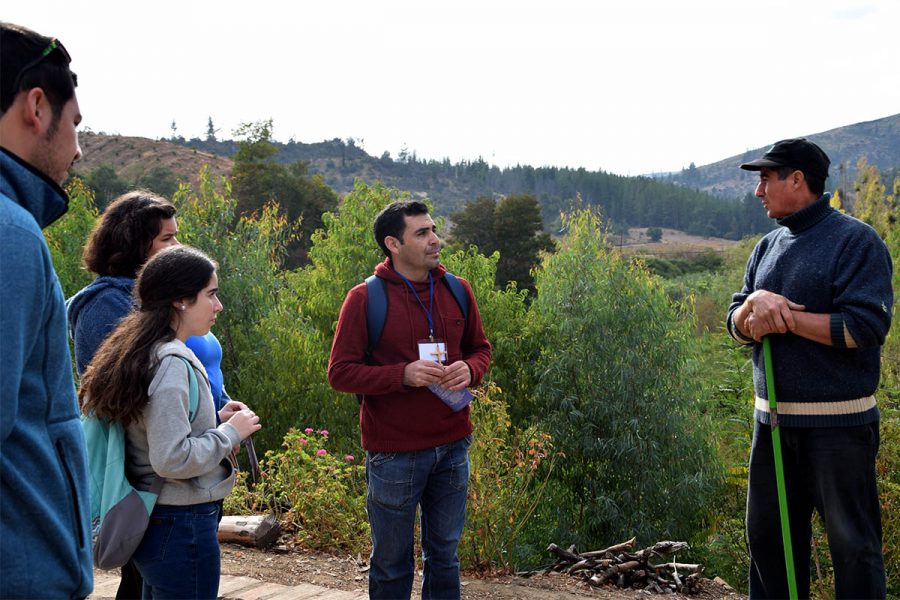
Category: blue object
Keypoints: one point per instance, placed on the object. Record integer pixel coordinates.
(44, 514)
(208, 351)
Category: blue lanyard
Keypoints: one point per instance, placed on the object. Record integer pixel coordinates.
(430, 301)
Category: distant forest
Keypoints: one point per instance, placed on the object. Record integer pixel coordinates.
(624, 201)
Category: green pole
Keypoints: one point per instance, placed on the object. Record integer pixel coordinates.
(779, 471)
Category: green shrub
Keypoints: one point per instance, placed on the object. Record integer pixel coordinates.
(67, 236)
(617, 390)
(248, 249)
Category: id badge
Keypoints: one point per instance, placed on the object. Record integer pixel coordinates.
(433, 350)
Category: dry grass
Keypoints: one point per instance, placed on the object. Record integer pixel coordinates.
(132, 157)
(673, 243)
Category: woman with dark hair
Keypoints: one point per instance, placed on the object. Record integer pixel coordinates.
(134, 227)
(138, 377)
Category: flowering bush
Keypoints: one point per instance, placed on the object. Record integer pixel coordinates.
(318, 497)
(510, 469)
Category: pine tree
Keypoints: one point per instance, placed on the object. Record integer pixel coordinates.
(210, 131)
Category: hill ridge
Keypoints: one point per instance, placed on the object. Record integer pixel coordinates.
(878, 140)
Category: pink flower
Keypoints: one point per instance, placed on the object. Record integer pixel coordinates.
(324, 433)
(349, 458)
(303, 441)
(308, 430)
(321, 452)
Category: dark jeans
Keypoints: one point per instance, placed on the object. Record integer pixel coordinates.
(179, 555)
(437, 481)
(831, 470)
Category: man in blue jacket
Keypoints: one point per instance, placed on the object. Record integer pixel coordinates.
(45, 543)
(819, 287)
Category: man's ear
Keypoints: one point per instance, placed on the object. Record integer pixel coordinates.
(392, 243)
(797, 178)
(37, 114)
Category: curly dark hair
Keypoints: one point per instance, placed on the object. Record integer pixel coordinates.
(116, 382)
(120, 241)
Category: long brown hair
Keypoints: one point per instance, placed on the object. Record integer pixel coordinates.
(116, 382)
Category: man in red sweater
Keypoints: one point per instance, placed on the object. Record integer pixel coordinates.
(416, 444)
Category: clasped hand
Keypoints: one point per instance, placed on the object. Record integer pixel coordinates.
(453, 377)
(239, 416)
(769, 313)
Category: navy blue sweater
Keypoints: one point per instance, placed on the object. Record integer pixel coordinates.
(94, 312)
(833, 264)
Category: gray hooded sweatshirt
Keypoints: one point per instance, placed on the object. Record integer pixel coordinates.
(191, 456)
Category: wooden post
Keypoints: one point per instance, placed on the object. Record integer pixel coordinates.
(254, 530)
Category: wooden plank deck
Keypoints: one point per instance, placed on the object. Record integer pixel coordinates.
(234, 587)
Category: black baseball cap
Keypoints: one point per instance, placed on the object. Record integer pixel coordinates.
(798, 153)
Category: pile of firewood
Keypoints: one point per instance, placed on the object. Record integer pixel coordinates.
(619, 565)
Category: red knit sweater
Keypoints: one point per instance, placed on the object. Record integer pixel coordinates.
(394, 417)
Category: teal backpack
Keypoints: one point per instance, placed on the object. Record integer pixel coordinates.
(119, 512)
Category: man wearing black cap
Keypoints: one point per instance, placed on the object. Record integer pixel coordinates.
(819, 287)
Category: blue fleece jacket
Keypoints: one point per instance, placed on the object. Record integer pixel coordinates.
(45, 546)
(94, 313)
(833, 264)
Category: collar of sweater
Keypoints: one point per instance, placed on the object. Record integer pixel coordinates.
(31, 189)
(805, 218)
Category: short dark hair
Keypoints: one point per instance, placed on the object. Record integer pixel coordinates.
(816, 184)
(391, 221)
(31, 60)
(120, 242)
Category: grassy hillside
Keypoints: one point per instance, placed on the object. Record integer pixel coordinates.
(133, 157)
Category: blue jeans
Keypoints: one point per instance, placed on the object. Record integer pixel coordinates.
(179, 555)
(436, 480)
(829, 470)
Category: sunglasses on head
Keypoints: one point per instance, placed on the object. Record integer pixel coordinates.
(54, 44)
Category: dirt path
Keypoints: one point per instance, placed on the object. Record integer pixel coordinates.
(349, 573)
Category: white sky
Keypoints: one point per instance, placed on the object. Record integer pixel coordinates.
(627, 86)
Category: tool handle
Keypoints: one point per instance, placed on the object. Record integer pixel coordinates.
(779, 471)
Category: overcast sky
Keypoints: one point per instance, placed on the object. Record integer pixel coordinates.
(627, 86)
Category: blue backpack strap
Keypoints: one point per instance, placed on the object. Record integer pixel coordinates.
(193, 389)
(376, 311)
(377, 305)
(459, 293)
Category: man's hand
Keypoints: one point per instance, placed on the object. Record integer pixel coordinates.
(766, 312)
(457, 376)
(422, 372)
